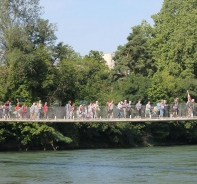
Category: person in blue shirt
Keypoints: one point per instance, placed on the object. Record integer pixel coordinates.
(68, 110)
(139, 108)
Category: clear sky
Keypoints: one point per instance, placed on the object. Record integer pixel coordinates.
(100, 25)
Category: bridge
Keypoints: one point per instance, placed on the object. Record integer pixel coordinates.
(58, 115)
(100, 120)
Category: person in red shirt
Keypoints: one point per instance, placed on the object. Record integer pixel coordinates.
(45, 110)
(17, 108)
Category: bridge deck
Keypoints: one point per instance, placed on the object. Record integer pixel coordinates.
(103, 120)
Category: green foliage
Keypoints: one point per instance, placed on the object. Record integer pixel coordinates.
(191, 131)
(32, 135)
(24, 42)
(2, 132)
(110, 134)
(61, 51)
(158, 131)
(136, 55)
(133, 88)
(82, 79)
(174, 38)
(156, 63)
(134, 66)
(166, 86)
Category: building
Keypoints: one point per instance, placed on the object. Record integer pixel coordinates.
(109, 60)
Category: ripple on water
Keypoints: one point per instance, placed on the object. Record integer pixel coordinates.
(142, 165)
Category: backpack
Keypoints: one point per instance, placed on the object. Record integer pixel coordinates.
(155, 109)
(158, 106)
(175, 106)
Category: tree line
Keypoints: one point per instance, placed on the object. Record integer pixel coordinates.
(157, 62)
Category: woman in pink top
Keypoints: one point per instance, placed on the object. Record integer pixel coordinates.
(24, 111)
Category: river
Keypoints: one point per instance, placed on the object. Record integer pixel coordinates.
(155, 165)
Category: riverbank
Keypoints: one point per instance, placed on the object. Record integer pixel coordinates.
(35, 136)
(95, 145)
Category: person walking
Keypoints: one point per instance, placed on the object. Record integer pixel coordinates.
(68, 109)
(175, 108)
(191, 108)
(96, 110)
(39, 109)
(24, 110)
(162, 109)
(110, 109)
(166, 109)
(32, 111)
(147, 110)
(124, 107)
(17, 109)
(90, 111)
(139, 108)
(6, 107)
(128, 108)
(10, 110)
(120, 109)
(45, 110)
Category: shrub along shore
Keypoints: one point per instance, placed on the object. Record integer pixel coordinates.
(51, 136)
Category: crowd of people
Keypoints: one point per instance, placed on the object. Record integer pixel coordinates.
(36, 111)
(125, 109)
(91, 111)
(161, 109)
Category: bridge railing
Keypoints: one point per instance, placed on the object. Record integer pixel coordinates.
(102, 112)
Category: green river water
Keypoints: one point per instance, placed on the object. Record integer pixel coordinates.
(165, 165)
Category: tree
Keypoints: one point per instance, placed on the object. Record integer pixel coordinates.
(174, 38)
(136, 55)
(96, 74)
(133, 88)
(27, 65)
(61, 51)
(31, 136)
(96, 55)
(25, 40)
(82, 78)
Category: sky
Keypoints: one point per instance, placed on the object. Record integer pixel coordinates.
(100, 25)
